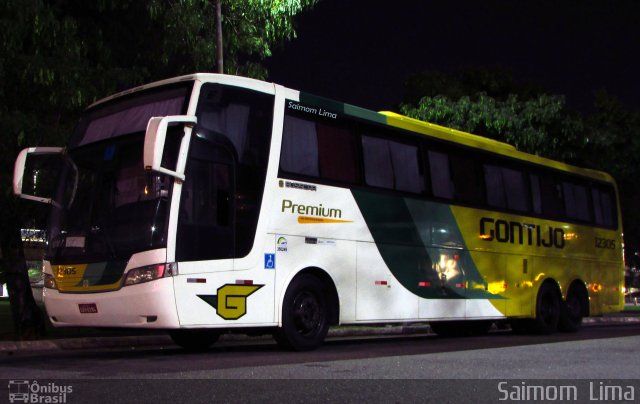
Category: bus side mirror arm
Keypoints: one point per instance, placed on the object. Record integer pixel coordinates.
(19, 167)
(154, 141)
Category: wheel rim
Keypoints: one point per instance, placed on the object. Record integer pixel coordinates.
(308, 314)
(574, 308)
(549, 310)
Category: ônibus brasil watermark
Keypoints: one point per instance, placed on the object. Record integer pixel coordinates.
(30, 391)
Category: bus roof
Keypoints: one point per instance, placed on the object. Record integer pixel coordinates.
(447, 134)
(206, 77)
(383, 117)
(442, 132)
(484, 143)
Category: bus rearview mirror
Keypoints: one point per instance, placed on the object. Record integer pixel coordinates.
(33, 178)
(155, 144)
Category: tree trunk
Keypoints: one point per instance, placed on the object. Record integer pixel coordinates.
(219, 49)
(28, 319)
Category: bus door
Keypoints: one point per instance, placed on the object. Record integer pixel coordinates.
(221, 273)
(205, 237)
(206, 220)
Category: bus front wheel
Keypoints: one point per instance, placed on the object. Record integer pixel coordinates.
(305, 319)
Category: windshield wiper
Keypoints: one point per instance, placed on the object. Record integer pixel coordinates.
(104, 234)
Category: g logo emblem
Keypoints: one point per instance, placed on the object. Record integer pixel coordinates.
(231, 301)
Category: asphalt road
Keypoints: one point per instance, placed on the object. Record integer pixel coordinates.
(422, 368)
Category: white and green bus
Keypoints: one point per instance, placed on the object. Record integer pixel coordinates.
(211, 203)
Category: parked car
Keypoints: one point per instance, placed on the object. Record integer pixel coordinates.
(632, 297)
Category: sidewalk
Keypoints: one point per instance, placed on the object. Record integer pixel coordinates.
(97, 338)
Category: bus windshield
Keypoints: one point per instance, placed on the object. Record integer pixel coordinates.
(107, 206)
(115, 210)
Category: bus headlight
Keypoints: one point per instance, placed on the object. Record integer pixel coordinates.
(150, 273)
(50, 282)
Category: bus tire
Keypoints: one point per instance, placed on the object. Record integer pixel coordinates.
(305, 314)
(194, 340)
(547, 309)
(573, 309)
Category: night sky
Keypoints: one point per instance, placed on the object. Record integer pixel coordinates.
(361, 52)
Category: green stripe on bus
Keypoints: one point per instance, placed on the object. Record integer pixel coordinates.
(342, 108)
(103, 273)
(422, 246)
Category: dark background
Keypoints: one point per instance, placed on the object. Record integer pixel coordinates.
(362, 52)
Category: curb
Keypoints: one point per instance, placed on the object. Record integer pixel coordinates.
(141, 341)
(611, 320)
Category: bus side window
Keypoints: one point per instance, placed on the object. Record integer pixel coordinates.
(603, 207)
(316, 149)
(506, 188)
(494, 186)
(551, 197)
(299, 153)
(406, 167)
(466, 181)
(516, 190)
(337, 154)
(378, 168)
(441, 183)
(577, 204)
(536, 198)
(392, 165)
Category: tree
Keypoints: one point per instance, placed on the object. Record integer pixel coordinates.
(38, 75)
(250, 28)
(219, 38)
(539, 125)
(614, 146)
(495, 83)
(253, 28)
(57, 56)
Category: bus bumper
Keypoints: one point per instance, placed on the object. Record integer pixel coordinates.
(147, 305)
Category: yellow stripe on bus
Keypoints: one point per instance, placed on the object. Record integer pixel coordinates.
(319, 220)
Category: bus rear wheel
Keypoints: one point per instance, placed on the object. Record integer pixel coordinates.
(194, 340)
(573, 309)
(305, 319)
(547, 310)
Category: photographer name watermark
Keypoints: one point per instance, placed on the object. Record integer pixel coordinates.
(592, 391)
(31, 391)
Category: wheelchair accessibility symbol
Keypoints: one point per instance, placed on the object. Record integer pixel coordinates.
(269, 261)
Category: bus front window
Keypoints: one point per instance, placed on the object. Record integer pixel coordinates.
(117, 208)
(108, 207)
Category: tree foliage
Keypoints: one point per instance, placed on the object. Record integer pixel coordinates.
(58, 56)
(251, 28)
(495, 83)
(539, 125)
(613, 145)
